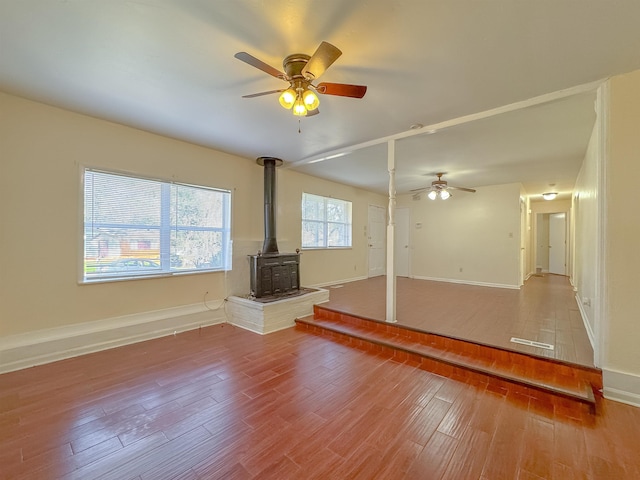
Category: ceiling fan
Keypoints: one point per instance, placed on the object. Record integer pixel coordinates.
(300, 71)
(439, 188)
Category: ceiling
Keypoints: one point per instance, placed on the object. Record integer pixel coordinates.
(168, 66)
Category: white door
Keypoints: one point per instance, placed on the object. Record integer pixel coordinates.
(557, 245)
(377, 235)
(401, 245)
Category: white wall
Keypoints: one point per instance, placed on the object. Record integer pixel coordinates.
(43, 149)
(622, 253)
(320, 267)
(550, 206)
(478, 233)
(585, 213)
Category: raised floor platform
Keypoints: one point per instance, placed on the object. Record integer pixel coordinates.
(544, 310)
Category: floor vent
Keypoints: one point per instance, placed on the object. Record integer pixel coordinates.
(531, 343)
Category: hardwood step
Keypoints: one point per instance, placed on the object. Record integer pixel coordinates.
(568, 388)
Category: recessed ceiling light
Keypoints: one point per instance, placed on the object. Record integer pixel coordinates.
(416, 126)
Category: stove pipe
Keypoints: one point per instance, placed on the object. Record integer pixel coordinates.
(270, 244)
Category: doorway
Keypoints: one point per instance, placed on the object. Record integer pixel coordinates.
(557, 243)
(551, 246)
(401, 244)
(376, 240)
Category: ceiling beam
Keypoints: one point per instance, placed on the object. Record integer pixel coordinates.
(430, 129)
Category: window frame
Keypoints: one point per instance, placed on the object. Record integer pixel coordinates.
(165, 230)
(325, 223)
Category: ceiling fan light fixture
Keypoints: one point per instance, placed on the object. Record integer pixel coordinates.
(310, 99)
(433, 194)
(299, 108)
(300, 70)
(444, 194)
(288, 98)
(549, 195)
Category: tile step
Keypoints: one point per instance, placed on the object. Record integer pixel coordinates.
(447, 362)
(531, 366)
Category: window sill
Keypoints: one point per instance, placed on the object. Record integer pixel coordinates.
(115, 278)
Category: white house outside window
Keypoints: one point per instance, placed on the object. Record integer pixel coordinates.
(326, 222)
(136, 227)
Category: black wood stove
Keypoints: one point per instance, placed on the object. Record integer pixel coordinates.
(272, 273)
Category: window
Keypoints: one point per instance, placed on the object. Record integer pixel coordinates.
(136, 227)
(326, 222)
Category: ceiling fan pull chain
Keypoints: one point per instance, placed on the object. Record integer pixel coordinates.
(299, 126)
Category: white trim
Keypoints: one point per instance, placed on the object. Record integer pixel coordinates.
(50, 345)
(225, 230)
(585, 321)
(80, 225)
(336, 282)
(601, 300)
(468, 282)
(391, 235)
(621, 386)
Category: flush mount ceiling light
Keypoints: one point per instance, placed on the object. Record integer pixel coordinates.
(300, 70)
(549, 195)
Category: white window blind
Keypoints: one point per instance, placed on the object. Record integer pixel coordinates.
(137, 227)
(326, 222)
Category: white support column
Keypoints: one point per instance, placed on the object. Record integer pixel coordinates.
(391, 234)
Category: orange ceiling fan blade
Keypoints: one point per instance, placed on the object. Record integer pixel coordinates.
(342, 89)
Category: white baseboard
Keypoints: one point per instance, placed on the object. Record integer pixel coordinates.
(585, 321)
(469, 282)
(337, 282)
(621, 386)
(49, 345)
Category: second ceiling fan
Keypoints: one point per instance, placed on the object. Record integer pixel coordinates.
(300, 71)
(439, 189)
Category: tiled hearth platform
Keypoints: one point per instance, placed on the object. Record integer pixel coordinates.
(567, 389)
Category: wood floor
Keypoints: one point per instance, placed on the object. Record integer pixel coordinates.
(222, 402)
(543, 310)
